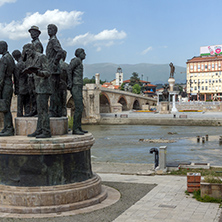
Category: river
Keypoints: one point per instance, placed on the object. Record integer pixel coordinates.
(120, 143)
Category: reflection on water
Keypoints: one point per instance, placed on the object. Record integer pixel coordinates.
(120, 143)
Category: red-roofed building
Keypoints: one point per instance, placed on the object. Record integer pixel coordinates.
(204, 74)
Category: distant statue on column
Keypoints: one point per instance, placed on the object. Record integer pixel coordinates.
(172, 70)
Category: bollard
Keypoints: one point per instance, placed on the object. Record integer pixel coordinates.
(206, 137)
(162, 158)
(198, 139)
(220, 140)
(203, 139)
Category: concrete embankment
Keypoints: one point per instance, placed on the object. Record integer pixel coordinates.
(161, 121)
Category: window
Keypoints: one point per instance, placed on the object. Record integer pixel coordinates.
(219, 66)
(195, 88)
(195, 67)
(209, 66)
(198, 67)
(209, 88)
(202, 87)
(216, 80)
(209, 80)
(205, 80)
(205, 87)
(191, 67)
(216, 66)
(202, 74)
(205, 66)
(202, 66)
(212, 65)
(195, 74)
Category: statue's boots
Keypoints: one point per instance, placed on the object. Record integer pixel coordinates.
(48, 135)
(77, 132)
(7, 132)
(33, 134)
(84, 131)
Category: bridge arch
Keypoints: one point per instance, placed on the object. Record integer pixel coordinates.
(136, 105)
(104, 103)
(122, 100)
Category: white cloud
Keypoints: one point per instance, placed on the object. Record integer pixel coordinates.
(105, 38)
(144, 52)
(2, 2)
(19, 29)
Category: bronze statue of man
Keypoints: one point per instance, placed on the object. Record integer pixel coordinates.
(172, 70)
(37, 64)
(63, 84)
(75, 85)
(53, 54)
(165, 92)
(34, 33)
(7, 68)
(21, 85)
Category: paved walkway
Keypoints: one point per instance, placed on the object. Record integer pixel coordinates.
(166, 202)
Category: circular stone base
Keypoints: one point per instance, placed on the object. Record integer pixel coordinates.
(27, 125)
(51, 199)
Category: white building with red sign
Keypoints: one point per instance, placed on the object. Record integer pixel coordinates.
(204, 77)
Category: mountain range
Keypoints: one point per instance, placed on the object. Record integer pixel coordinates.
(154, 73)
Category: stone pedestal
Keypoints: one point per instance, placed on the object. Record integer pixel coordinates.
(27, 125)
(171, 82)
(164, 107)
(47, 175)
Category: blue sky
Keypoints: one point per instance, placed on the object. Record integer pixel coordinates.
(118, 31)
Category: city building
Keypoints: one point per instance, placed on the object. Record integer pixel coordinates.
(150, 89)
(204, 79)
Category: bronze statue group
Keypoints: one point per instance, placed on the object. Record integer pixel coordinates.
(38, 79)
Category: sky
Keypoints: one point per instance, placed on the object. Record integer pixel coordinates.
(117, 31)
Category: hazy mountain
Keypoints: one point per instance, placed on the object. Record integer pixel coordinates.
(155, 73)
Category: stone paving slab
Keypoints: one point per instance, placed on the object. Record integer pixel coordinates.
(166, 202)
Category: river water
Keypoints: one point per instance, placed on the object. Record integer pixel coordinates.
(120, 143)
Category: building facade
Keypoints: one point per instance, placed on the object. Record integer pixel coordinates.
(204, 76)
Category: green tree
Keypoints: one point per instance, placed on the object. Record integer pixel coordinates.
(122, 86)
(136, 89)
(134, 79)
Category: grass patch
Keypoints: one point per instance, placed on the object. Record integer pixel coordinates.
(212, 179)
(70, 122)
(214, 172)
(206, 198)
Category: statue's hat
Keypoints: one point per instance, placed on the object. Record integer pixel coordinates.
(35, 28)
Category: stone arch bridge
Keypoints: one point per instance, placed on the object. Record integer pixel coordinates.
(98, 100)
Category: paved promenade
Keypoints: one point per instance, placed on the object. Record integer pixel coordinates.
(166, 202)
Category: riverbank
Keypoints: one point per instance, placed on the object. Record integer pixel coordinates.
(177, 119)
